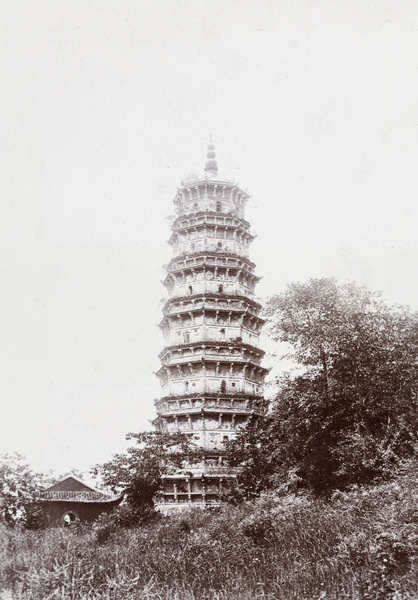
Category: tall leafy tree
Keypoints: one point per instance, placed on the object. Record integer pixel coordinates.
(351, 415)
(139, 471)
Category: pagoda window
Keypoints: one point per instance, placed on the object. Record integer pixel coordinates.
(219, 244)
(223, 386)
(186, 387)
(222, 332)
(190, 290)
(219, 207)
(220, 288)
(186, 337)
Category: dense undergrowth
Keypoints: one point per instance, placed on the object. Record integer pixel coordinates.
(362, 544)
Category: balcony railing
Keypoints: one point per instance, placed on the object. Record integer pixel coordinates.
(211, 345)
(225, 401)
(211, 218)
(207, 257)
(218, 300)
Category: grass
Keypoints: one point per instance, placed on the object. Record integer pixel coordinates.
(360, 545)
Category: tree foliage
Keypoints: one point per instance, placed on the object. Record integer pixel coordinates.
(139, 471)
(19, 486)
(351, 415)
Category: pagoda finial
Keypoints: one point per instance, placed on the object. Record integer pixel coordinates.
(211, 165)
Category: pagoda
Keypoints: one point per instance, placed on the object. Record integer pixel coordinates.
(211, 374)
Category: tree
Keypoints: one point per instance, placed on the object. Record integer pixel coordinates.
(139, 471)
(19, 486)
(351, 415)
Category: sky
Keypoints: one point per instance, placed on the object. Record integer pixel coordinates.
(106, 105)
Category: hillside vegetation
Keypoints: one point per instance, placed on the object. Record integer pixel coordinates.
(360, 544)
(326, 507)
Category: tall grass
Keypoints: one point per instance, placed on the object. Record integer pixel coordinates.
(358, 545)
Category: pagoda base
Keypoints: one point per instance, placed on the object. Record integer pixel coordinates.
(170, 508)
(201, 487)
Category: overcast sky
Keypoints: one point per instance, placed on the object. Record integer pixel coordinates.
(107, 104)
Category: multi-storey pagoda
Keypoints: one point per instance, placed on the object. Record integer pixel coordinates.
(211, 374)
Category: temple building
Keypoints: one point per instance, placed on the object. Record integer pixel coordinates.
(211, 374)
(71, 500)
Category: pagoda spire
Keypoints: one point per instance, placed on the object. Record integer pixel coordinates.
(211, 167)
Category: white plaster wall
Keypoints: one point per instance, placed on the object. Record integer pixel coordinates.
(201, 286)
(187, 384)
(195, 244)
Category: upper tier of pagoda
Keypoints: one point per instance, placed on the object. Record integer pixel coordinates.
(210, 194)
